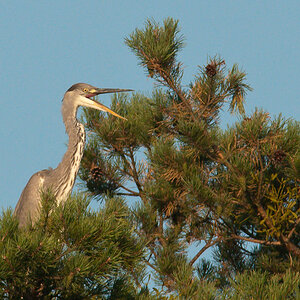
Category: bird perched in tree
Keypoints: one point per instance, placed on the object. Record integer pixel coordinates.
(60, 180)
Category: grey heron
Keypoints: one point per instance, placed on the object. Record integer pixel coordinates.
(61, 179)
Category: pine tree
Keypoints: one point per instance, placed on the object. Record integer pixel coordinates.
(194, 183)
(71, 253)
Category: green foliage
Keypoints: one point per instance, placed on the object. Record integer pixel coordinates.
(74, 253)
(259, 154)
(196, 184)
(256, 285)
(155, 46)
(237, 89)
(282, 208)
(213, 86)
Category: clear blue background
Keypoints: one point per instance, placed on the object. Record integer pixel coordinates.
(46, 46)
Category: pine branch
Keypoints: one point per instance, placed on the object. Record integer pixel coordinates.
(129, 194)
(134, 171)
(294, 228)
(209, 244)
(256, 241)
(151, 266)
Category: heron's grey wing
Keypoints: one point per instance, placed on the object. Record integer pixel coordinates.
(28, 205)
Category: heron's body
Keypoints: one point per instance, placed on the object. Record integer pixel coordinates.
(60, 180)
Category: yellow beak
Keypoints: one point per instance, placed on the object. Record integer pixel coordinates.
(102, 107)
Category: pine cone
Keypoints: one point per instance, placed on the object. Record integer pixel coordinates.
(211, 69)
(278, 157)
(96, 173)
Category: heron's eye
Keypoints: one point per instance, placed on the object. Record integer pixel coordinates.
(85, 90)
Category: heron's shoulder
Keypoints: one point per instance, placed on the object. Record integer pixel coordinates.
(45, 172)
(41, 174)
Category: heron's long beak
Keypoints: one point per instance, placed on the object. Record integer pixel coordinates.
(106, 91)
(97, 105)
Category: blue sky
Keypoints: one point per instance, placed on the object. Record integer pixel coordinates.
(46, 46)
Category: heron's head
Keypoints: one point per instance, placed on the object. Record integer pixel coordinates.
(82, 94)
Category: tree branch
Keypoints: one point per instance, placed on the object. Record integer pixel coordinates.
(134, 171)
(151, 266)
(208, 245)
(293, 230)
(128, 194)
(256, 241)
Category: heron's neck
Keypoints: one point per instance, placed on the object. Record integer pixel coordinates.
(69, 166)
